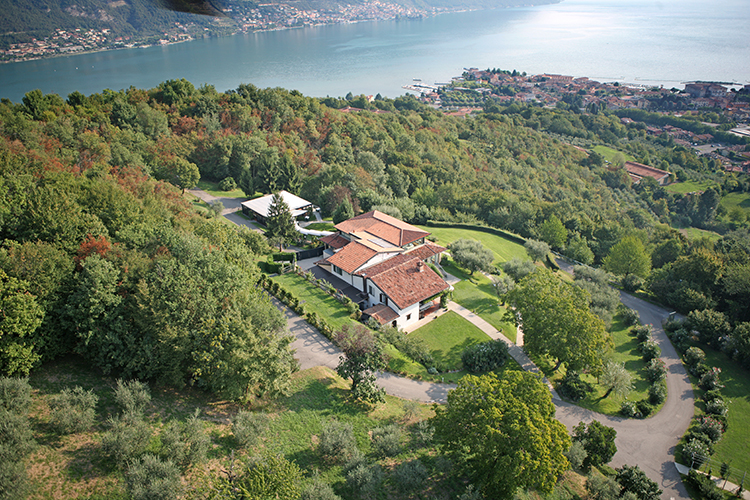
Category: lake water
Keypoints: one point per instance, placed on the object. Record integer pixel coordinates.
(633, 41)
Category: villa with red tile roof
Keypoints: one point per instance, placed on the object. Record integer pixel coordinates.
(386, 260)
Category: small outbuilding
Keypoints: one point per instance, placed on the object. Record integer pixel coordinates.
(258, 207)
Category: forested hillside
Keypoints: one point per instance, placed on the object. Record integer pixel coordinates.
(108, 259)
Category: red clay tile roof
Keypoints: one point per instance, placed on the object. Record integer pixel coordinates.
(382, 313)
(335, 241)
(351, 257)
(387, 264)
(407, 282)
(642, 170)
(383, 226)
(426, 251)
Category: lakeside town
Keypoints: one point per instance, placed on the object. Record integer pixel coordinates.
(239, 17)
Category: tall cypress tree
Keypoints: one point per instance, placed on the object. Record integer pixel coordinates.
(279, 223)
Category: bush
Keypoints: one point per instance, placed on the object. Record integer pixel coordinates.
(634, 480)
(710, 379)
(632, 283)
(572, 387)
(15, 395)
(697, 452)
(680, 339)
(127, 438)
(148, 478)
(576, 455)
(132, 396)
(630, 317)
(337, 441)
(707, 489)
(644, 408)
(717, 407)
(712, 428)
(247, 427)
(712, 394)
(628, 409)
(410, 475)
(650, 350)
(185, 444)
(693, 357)
(386, 441)
(485, 356)
(318, 490)
(365, 480)
(73, 410)
(602, 487)
(228, 184)
(656, 370)
(657, 393)
(424, 432)
(642, 333)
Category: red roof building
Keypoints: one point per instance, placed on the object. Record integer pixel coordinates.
(638, 171)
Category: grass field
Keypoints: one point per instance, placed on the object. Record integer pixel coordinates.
(693, 233)
(503, 249)
(732, 200)
(733, 447)
(625, 351)
(480, 298)
(321, 226)
(316, 300)
(609, 153)
(688, 187)
(447, 336)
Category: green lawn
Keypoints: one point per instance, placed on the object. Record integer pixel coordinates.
(321, 226)
(212, 188)
(480, 298)
(447, 336)
(733, 446)
(316, 300)
(502, 248)
(693, 233)
(732, 200)
(688, 187)
(625, 351)
(609, 153)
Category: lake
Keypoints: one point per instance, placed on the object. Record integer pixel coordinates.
(662, 42)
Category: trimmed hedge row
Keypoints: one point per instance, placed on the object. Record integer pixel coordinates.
(656, 373)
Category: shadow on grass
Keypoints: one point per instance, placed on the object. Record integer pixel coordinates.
(320, 395)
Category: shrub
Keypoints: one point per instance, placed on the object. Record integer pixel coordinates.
(642, 333)
(602, 487)
(632, 283)
(485, 356)
(657, 393)
(628, 409)
(634, 480)
(630, 317)
(73, 410)
(318, 490)
(15, 395)
(14, 482)
(698, 435)
(228, 184)
(247, 427)
(693, 357)
(16, 441)
(185, 444)
(697, 452)
(576, 455)
(337, 441)
(699, 370)
(710, 379)
(148, 478)
(410, 475)
(717, 407)
(650, 350)
(680, 339)
(132, 396)
(572, 387)
(424, 432)
(707, 489)
(270, 476)
(365, 480)
(712, 394)
(656, 370)
(127, 438)
(712, 428)
(644, 408)
(386, 441)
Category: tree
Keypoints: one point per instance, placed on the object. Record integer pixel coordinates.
(616, 379)
(634, 480)
(179, 172)
(20, 316)
(279, 222)
(557, 321)
(537, 250)
(598, 441)
(471, 255)
(504, 433)
(553, 232)
(363, 356)
(627, 257)
(270, 476)
(343, 212)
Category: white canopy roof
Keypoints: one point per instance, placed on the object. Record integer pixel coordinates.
(261, 205)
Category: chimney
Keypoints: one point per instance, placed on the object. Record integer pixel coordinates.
(420, 266)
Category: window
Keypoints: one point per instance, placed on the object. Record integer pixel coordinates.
(371, 291)
(408, 317)
(393, 324)
(337, 270)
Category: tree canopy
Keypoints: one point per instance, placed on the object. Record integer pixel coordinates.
(363, 357)
(628, 256)
(471, 255)
(503, 432)
(280, 223)
(557, 321)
